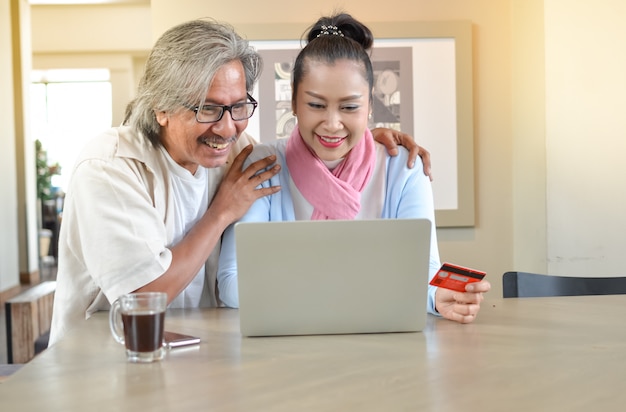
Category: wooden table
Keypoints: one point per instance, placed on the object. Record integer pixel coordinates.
(541, 354)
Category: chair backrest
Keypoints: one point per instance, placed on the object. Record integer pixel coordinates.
(522, 284)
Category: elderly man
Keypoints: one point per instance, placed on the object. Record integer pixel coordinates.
(148, 201)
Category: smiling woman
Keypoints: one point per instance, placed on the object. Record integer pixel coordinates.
(423, 86)
(331, 167)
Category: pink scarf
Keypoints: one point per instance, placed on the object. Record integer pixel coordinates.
(334, 195)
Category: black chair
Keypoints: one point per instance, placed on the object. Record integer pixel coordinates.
(7, 370)
(530, 285)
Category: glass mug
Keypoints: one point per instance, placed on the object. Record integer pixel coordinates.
(137, 321)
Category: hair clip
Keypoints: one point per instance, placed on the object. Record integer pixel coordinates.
(331, 30)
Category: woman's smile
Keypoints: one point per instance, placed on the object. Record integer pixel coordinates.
(330, 142)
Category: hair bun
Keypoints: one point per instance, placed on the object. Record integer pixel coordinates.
(343, 25)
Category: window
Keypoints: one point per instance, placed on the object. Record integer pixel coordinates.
(69, 107)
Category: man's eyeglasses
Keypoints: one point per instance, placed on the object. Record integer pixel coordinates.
(211, 113)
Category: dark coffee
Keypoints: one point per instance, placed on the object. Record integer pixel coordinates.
(143, 332)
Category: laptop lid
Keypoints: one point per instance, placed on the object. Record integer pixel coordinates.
(332, 276)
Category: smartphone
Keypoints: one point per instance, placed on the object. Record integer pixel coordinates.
(176, 340)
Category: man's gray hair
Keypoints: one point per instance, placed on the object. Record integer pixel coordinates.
(181, 67)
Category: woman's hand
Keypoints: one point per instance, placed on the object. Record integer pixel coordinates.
(461, 307)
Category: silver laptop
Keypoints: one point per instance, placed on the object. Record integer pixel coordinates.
(332, 276)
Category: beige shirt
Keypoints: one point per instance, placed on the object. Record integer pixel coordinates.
(118, 225)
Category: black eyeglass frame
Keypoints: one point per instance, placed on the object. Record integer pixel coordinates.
(225, 108)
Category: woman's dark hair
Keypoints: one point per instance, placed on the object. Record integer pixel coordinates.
(334, 38)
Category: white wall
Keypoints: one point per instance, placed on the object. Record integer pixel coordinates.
(116, 37)
(586, 136)
(529, 137)
(27, 211)
(92, 28)
(9, 267)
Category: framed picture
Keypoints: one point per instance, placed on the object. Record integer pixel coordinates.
(422, 86)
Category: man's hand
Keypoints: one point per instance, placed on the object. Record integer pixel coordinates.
(391, 139)
(238, 189)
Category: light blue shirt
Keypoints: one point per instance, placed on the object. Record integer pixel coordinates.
(407, 193)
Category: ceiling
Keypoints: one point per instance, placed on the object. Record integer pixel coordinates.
(77, 2)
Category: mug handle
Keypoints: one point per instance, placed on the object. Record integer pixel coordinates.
(115, 322)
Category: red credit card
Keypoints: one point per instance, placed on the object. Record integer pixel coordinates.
(455, 277)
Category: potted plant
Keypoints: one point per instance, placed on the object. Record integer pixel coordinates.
(47, 198)
(45, 171)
